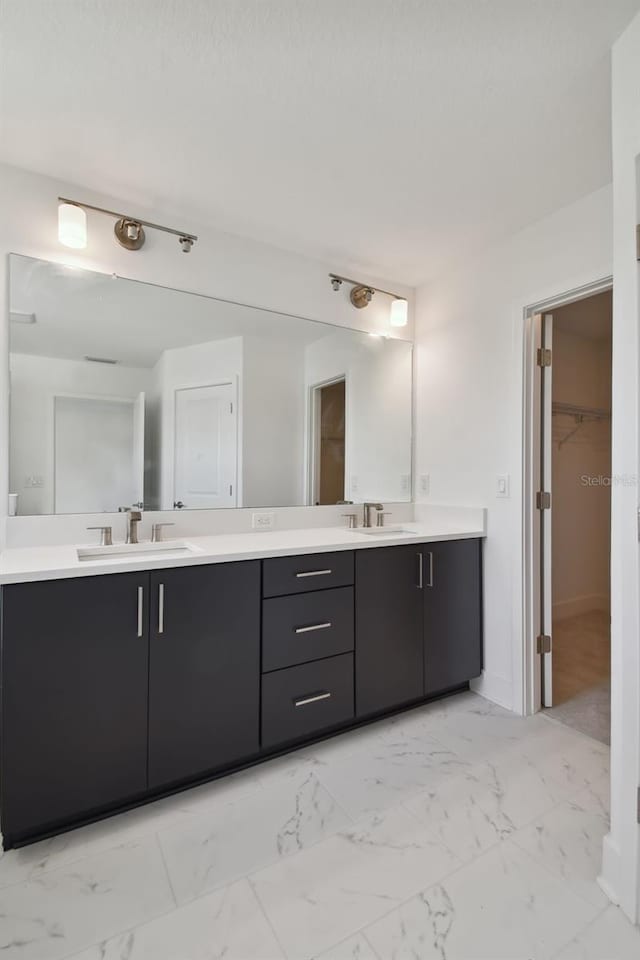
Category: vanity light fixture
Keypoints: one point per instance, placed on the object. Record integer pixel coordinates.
(362, 293)
(129, 231)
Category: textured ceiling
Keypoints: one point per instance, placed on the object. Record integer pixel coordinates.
(382, 135)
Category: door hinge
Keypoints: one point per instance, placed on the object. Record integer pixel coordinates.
(543, 643)
(230, 408)
(638, 242)
(638, 804)
(230, 489)
(544, 357)
(543, 500)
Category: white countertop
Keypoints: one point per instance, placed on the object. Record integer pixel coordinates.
(25, 564)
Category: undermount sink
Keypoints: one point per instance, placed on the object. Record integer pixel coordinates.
(122, 551)
(390, 531)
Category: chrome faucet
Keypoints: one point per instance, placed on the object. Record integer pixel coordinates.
(133, 519)
(368, 507)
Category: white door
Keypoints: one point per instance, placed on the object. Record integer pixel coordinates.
(138, 450)
(205, 447)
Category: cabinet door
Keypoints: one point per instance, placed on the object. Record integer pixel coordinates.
(389, 646)
(453, 613)
(74, 706)
(204, 672)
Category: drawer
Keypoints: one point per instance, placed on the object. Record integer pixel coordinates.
(309, 627)
(304, 700)
(314, 571)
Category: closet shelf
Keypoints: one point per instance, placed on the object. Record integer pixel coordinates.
(580, 415)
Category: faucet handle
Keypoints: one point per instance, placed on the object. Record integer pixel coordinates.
(106, 539)
(352, 520)
(380, 517)
(156, 531)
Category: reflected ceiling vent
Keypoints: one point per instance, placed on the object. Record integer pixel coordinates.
(106, 360)
(16, 316)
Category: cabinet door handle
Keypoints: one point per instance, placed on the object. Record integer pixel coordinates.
(420, 571)
(303, 701)
(314, 626)
(313, 573)
(430, 555)
(140, 610)
(161, 608)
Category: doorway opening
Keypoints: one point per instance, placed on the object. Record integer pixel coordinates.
(328, 433)
(571, 526)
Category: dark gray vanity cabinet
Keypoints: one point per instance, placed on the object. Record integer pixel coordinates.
(452, 577)
(389, 616)
(117, 688)
(204, 669)
(74, 698)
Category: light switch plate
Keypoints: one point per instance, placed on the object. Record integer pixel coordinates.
(405, 483)
(502, 486)
(425, 484)
(263, 521)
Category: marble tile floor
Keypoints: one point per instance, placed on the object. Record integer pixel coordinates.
(455, 831)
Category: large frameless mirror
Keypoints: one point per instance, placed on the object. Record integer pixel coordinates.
(125, 393)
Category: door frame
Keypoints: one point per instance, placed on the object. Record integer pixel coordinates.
(233, 382)
(532, 587)
(313, 422)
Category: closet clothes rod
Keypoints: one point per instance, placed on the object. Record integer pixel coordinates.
(575, 410)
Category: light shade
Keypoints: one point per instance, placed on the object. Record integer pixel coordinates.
(72, 226)
(399, 313)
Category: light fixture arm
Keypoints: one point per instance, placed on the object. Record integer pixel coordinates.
(367, 286)
(182, 234)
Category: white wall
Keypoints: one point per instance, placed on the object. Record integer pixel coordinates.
(469, 399)
(273, 403)
(35, 381)
(581, 534)
(621, 871)
(220, 264)
(378, 405)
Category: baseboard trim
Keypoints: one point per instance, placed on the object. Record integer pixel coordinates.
(610, 873)
(577, 605)
(495, 688)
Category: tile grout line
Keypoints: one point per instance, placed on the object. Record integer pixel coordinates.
(166, 870)
(266, 916)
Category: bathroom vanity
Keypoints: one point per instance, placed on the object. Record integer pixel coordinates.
(121, 686)
(131, 670)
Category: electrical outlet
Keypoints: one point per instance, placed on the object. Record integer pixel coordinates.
(405, 483)
(425, 484)
(502, 486)
(263, 521)
(354, 483)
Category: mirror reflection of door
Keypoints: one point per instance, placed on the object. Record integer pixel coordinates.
(98, 453)
(205, 447)
(329, 442)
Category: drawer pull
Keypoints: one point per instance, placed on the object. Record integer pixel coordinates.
(313, 573)
(303, 701)
(314, 626)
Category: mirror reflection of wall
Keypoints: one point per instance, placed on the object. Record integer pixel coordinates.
(125, 393)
